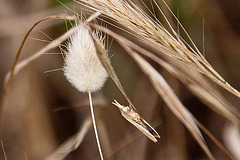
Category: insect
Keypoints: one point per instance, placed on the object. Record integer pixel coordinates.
(133, 117)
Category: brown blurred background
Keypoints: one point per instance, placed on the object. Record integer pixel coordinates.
(33, 128)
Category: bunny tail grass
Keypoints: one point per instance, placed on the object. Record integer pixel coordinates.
(82, 67)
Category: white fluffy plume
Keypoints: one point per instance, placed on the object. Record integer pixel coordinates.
(82, 67)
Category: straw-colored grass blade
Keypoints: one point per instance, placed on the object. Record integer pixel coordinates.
(107, 65)
(18, 66)
(195, 81)
(199, 86)
(172, 101)
(144, 28)
(143, 126)
(72, 143)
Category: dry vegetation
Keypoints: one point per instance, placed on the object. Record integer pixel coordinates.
(154, 65)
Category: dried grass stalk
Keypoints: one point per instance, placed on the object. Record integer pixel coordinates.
(196, 83)
(19, 66)
(72, 143)
(165, 92)
(150, 32)
(172, 53)
(231, 137)
(126, 13)
(170, 98)
(130, 112)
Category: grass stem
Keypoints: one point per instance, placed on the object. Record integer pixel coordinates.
(95, 126)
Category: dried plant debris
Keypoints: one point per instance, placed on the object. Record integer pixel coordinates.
(154, 34)
(18, 66)
(133, 117)
(72, 143)
(167, 48)
(172, 101)
(155, 42)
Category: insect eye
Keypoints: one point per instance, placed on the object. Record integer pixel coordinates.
(125, 109)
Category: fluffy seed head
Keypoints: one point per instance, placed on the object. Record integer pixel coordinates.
(82, 67)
